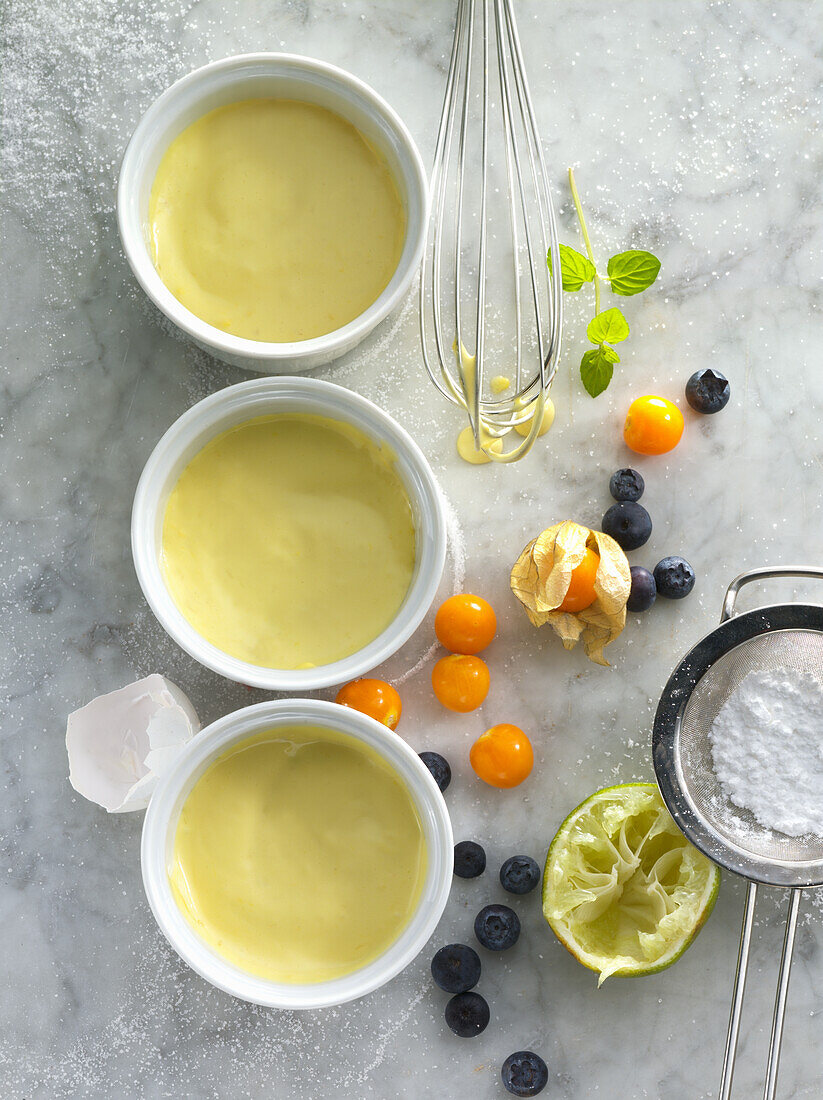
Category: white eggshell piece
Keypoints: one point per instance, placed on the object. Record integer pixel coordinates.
(121, 743)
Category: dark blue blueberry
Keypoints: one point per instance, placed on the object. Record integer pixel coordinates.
(456, 967)
(644, 590)
(497, 927)
(439, 767)
(469, 859)
(626, 484)
(674, 578)
(708, 391)
(629, 524)
(467, 1014)
(519, 874)
(525, 1073)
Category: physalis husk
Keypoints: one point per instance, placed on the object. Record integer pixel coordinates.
(540, 579)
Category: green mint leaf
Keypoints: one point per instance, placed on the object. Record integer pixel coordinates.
(575, 268)
(632, 271)
(596, 369)
(610, 326)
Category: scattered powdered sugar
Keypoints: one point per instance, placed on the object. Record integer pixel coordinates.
(456, 552)
(60, 149)
(767, 747)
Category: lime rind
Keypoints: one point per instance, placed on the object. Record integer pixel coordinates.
(623, 889)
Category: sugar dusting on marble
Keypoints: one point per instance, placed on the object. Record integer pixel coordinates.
(49, 41)
(246, 1042)
(641, 152)
(456, 573)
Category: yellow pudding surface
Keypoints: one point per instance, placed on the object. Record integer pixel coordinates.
(299, 855)
(288, 541)
(275, 220)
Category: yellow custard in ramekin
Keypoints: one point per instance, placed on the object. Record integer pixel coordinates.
(299, 855)
(288, 541)
(275, 220)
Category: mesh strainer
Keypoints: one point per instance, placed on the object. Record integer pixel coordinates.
(785, 636)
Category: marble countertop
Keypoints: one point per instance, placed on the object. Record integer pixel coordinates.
(694, 128)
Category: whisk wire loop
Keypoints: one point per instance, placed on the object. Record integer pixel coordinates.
(463, 245)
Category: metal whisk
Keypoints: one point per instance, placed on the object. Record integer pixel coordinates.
(490, 231)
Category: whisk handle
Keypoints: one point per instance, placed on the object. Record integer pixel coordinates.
(737, 997)
(762, 575)
(782, 993)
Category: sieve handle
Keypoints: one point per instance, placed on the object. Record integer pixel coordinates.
(775, 1041)
(763, 575)
(782, 993)
(737, 998)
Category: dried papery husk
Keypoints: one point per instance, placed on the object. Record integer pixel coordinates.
(541, 576)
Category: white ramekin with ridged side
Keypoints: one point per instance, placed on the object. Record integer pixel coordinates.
(275, 75)
(161, 823)
(263, 397)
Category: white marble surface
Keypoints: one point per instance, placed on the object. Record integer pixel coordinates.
(695, 128)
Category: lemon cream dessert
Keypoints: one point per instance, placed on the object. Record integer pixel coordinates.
(288, 541)
(275, 220)
(298, 855)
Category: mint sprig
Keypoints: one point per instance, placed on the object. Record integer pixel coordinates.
(597, 368)
(632, 271)
(627, 273)
(609, 326)
(575, 269)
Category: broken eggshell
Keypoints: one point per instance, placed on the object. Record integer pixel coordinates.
(120, 744)
(541, 576)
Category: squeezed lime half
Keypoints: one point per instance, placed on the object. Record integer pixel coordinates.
(623, 889)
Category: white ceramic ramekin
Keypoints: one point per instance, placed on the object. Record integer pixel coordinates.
(260, 397)
(158, 845)
(276, 75)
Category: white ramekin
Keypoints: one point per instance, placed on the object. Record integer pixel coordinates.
(158, 845)
(260, 397)
(245, 77)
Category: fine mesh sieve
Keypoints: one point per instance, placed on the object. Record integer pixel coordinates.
(793, 650)
(785, 636)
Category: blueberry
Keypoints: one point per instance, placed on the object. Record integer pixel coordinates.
(644, 590)
(626, 484)
(674, 578)
(469, 859)
(456, 968)
(525, 1073)
(629, 524)
(708, 391)
(497, 927)
(439, 767)
(467, 1014)
(519, 874)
